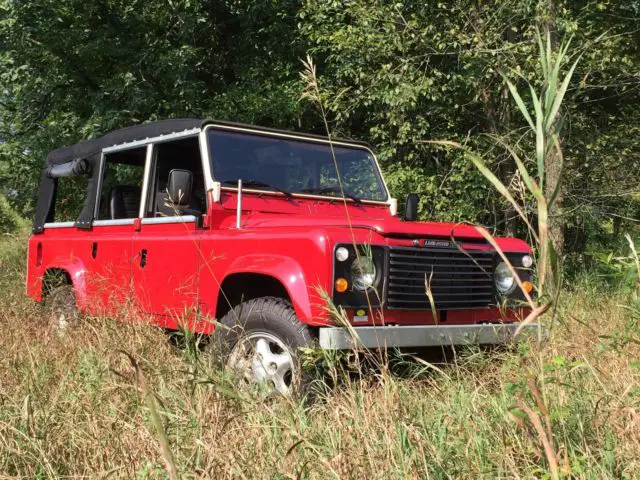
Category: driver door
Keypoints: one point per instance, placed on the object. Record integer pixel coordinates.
(165, 265)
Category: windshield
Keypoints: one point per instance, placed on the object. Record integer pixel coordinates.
(294, 166)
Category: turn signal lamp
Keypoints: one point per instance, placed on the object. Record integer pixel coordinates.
(341, 285)
(528, 286)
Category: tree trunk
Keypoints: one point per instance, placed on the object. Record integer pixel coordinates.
(553, 170)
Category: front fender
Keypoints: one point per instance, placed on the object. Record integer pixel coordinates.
(284, 269)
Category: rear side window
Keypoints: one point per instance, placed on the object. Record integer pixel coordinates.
(70, 195)
(121, 188)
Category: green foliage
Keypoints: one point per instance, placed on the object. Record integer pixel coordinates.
(401, 73)
(71, 70)
(10, 221)
(393, 73)
(429, 76)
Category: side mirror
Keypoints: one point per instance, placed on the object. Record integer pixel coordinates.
(411, 207)
(179, 186)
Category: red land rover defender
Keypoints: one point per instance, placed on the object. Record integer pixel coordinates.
(185, 220)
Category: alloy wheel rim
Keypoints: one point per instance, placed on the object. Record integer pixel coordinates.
(262, 358)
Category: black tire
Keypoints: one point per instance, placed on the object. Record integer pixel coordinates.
(60, 307)
(273, 316)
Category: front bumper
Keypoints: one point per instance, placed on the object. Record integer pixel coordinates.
(338, 338)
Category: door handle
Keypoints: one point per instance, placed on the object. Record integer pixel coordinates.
(94, 250)
(143, 257)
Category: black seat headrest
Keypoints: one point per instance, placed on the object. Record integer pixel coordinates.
(124, 202)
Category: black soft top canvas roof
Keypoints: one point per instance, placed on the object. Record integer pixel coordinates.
(89, 148)
(90, 151)
(130, 134)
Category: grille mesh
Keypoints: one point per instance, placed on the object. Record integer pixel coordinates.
(458, 281)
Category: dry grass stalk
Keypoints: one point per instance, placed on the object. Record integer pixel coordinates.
(312, 93)
(153, 407)
(552, 460)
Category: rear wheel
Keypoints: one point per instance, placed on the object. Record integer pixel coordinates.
(60, 307)
(259, 342)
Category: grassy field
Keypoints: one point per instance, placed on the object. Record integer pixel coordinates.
(73, 405)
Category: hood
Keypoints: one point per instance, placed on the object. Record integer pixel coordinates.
(388, 227)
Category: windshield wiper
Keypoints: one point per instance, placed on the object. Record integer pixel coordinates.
(327, 190)
(258, 183)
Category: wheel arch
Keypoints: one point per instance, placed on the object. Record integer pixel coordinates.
(54, 276)
(264, 276)
(239, 287)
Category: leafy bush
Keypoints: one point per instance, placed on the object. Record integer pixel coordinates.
(10, 221)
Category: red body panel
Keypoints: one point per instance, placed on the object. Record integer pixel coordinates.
(267, 210)
(291, 240)
(102, 284)
(164, 270)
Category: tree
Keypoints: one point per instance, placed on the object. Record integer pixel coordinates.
(71, 70)
(401, 73)
(394, 73)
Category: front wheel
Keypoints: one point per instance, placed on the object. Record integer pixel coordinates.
(259, 341)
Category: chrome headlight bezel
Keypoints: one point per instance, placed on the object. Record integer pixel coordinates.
(363, 273)
(503, 279)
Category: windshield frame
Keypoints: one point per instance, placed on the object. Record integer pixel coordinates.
(301, 137)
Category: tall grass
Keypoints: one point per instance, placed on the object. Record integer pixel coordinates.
(71, 406)
(542, 116)
(534, 402)
(75, 406)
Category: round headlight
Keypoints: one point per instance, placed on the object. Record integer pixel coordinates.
(363, 273)
(527, 261)
(342, 254)
(503, 277)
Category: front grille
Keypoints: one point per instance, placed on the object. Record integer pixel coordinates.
(460, 280)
